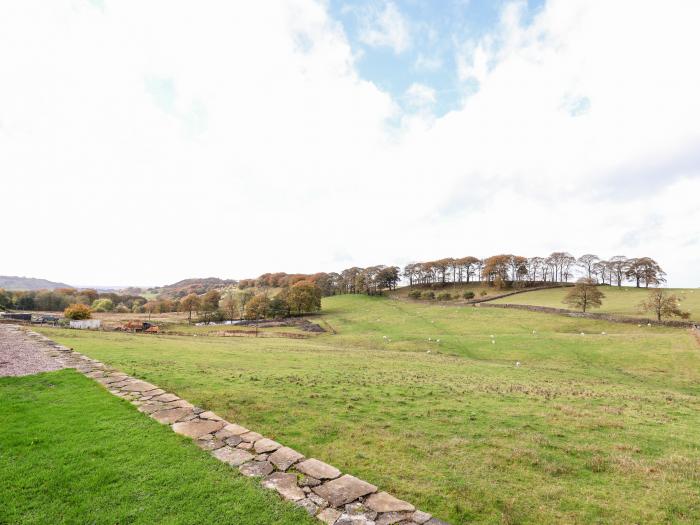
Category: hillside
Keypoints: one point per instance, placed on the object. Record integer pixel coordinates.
(622, 301)
(15, 283)
(187, 286)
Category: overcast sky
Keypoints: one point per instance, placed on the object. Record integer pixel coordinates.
(142, 142)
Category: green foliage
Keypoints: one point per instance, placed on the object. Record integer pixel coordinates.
(102, 305)
(77, 312)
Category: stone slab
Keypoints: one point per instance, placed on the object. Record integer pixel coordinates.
(329, 516)
(251, 437)
(256, 468)
(343, 490)
(285, 457)
(285, 484)
(266, 445)
(233, 456)
(172, 415)
(139, 386)
(317, 469)
(197, 427)
(385, 502)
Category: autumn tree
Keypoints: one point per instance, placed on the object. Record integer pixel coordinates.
(644, 270)
(304, 297)
(257, 307)
(77, 312)
(584, 295)
(663, 304)
(229, 304)
(190, 303)
(151, 307)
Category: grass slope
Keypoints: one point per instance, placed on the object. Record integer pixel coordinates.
(593, 428)
(70, 452)
(622, 301)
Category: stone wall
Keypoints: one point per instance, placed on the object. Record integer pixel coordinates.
(594, 315)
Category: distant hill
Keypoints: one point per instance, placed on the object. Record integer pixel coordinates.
(187, 286)
(14, 283)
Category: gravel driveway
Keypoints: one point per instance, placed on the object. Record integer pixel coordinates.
(20, 355)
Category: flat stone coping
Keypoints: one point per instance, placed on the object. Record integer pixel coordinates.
(321, 489)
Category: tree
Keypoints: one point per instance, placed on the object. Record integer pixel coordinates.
(210, 301)
(151, 307)
(588, 263)
(663, 304)
(304, 297)
(644, 270)
(5, 300)
(77, 312)
(229, 305)
(190, 303)
(102, 305)
(585, 294)
(618, 268)
(257, 307)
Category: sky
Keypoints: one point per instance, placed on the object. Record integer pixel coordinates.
(146, 142)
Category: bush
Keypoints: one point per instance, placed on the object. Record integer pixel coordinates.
(468, 295)
(102, 305)
(414, 294)
(77, 312)
(427, 295)
(444, 296)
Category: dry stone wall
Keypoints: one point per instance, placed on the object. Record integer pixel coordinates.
(322, 490)
(594, 315)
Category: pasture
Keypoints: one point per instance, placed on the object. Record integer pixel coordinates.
(600, 422)
(621, 301)
(70, 452)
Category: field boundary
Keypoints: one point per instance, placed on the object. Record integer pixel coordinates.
(594, 315)
(321, 489)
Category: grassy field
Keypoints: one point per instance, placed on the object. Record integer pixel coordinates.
(588, 429)
(70, 452)
(623, 301)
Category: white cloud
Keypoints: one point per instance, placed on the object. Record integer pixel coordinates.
(420, 96)
(384, 26)
(232, 140)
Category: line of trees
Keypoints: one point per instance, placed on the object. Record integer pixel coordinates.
(558, 267)
(59, 299)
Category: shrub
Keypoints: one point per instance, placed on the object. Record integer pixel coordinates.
(427, 295)
(468, 295)
(414, 294)
(102, 305)
(77, 312)
(444, 296)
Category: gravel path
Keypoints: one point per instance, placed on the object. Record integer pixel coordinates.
(20, 355)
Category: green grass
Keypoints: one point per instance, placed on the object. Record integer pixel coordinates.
(622, 301)
(70, 452)
(590, 429)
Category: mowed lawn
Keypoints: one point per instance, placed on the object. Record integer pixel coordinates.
(623, 301)
(70, 452)
(597, 427)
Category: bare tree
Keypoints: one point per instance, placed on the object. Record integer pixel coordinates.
(588, 263)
